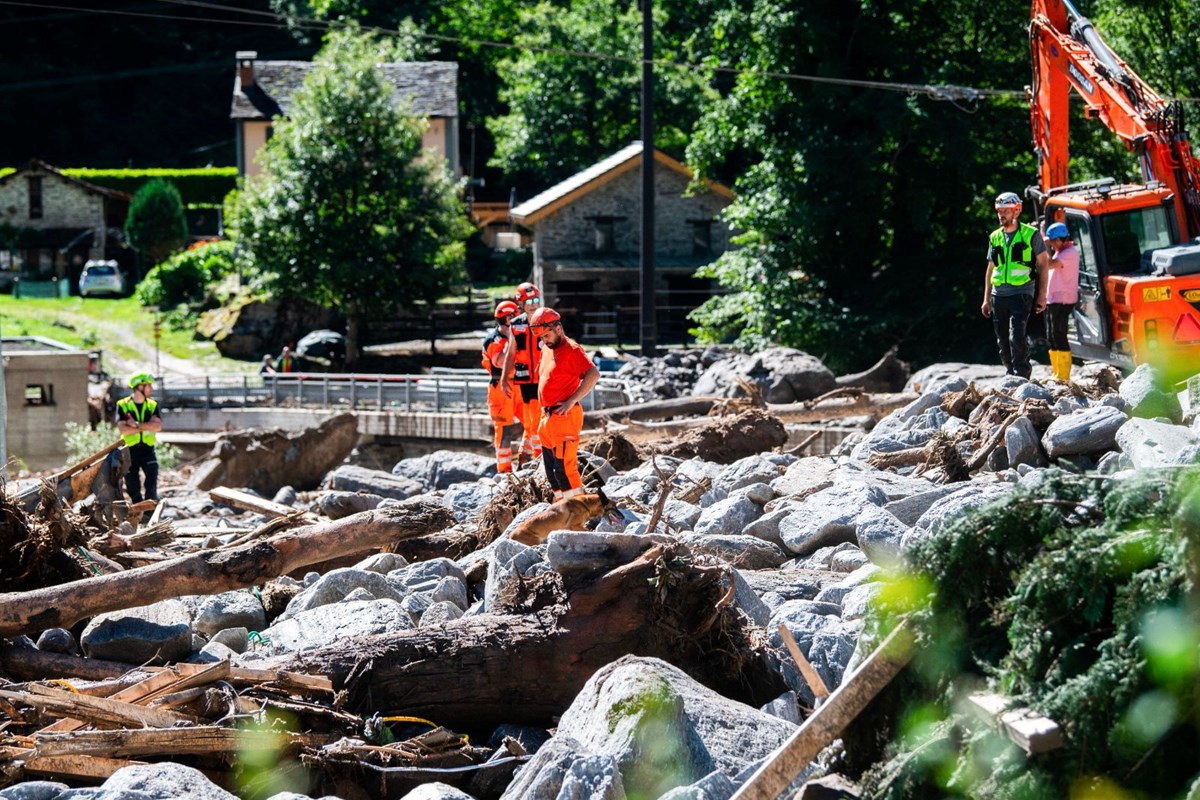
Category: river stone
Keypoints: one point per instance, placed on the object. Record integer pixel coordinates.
(956, 504)
(436, 791)
(507, 560)
(1154, 444)
(450, 589)
(336, 504)
(784, 375)
(581, 552)
(1147, 395)
(747, 552)
(351, 478)
(728, 516)
(331, 624)
(804, 476)
(889, 442)
(57, 640)
(34, 790)
(827, 517)
(1089, 430)
(826, 641)
(681, 514)
(1023, 445)
(335, 585)
(383, 563)
(156, 633)
(233, 638)
(880, 534)
(662, 727)
(440, 613)
(422, 572)
(441, 469)
(236, 609)
(745, 472)
(893, 485)
(848, 560)
(466, 500)
(165, 781)
(766, 527)
(786, 706)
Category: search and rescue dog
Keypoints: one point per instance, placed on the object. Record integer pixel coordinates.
(567, 515)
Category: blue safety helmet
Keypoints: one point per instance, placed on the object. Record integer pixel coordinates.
(1057, 231)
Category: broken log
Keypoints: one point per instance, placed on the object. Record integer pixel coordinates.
(248, 502)
(480, 671)
(652, 410)
(888, 374)
(878, 405)
(831, 718)
(31, 664)
(216, 571)
(200, 740)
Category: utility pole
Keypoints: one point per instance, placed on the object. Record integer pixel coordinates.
(647, 263)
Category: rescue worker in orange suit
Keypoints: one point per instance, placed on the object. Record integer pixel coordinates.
(525, 357)
(567, 375)
(500, 405)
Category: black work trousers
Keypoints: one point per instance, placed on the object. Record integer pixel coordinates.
(1010, 319)
(142, 457)
(1057, 315)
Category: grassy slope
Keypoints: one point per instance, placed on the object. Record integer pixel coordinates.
(122, 328)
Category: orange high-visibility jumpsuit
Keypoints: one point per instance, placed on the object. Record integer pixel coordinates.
(500, 405)
(562, 370)
(526, 369)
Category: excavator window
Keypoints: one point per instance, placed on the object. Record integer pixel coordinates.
(1089, 274)
(1129, 235)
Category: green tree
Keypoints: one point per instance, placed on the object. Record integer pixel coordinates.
(156, 226)
(347, 212)
(862, 211)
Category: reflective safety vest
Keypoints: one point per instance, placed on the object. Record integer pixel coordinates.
(528, 354)
(1013, 259)
(126, 406)
(493, 355)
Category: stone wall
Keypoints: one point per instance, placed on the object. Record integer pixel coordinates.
(571, 231)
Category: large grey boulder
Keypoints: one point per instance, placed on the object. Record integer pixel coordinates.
(880, 534)
(441, 469)
(804, 476)
(747, 552)
(237, 609)
(826, 641)
(508, 561)
(935, 377)
(426, 572)
(573, 553)
(745, 472)
(1087, 431)
(437, 791)
(952, 507)
(1147, 394)
(335, 585)
(909, 509)
(351, 478)
(784, 375)
(155, 633)
(661, 727)
(1148, 443)
(339, 504)
(166, 781)
(1023, 445)
(827, 517)
(465, 500)
(728, 516)
(34, 790)
(330, 624)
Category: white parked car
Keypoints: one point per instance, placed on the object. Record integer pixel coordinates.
(101, 277)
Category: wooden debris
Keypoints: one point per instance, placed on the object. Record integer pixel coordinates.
(94, 709)
(248, 502)
(212, 572)
(811, 676)
(827, 722)
(1029, 730)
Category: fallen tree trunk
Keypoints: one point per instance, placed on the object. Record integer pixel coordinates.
(213, 572)
(480, 671)
(879, 405)
(654, 409)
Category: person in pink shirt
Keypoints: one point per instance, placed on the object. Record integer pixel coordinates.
(1062, 293)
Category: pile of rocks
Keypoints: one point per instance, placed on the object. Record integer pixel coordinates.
(803, 538)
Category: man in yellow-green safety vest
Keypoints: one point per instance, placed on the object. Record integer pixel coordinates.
(139, 421)
(1014, 285)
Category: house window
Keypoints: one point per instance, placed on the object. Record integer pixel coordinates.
(604, 236)
(35, 197)
(701, 237)
(37, 394)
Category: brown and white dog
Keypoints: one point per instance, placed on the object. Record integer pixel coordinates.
(567, 515)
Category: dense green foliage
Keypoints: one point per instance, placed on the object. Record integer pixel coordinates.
(156, 226)
(345, 213)
(1077, 598)
(187, 277)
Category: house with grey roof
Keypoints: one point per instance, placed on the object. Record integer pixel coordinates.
(263, 90)
(587, 244)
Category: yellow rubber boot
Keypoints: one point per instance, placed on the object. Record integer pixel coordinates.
(1064, 371)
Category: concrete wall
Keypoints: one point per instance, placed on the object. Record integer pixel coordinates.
(46, 386)
(571, 231)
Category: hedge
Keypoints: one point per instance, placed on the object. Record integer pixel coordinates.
(202, 185)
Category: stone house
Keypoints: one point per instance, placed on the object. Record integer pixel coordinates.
(263, 90)
(45, 387)
(52, 224)
(587, 239)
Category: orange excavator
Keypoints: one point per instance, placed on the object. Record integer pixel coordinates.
(1139, 274)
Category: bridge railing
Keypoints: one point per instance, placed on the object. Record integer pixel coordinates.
(450, 391)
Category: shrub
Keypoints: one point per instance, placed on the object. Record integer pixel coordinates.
(185, 278)
(156, 225)
(83, 440)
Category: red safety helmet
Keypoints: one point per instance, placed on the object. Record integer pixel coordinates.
(527, 291)
(543, 317)
(507, 308)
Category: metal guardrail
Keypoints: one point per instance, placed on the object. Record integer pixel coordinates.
(438, 391)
